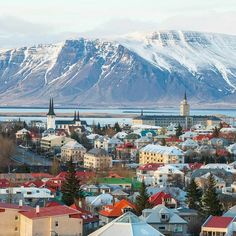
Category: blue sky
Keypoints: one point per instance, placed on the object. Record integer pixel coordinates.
(25, 22)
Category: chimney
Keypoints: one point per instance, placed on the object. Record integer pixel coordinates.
(37, 209)
(20, 203)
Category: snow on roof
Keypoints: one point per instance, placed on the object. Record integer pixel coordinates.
(228, 130)
(162, 150)
(145, 127)
(189, 143)
(73, 145)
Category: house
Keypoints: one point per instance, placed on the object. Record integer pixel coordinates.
(160, 154)
(143, 141)
(95, 203)
(120, 135)
(57, 220)
(126, 151)
(10, 218)
(189, 144)
(97, 159)
(74, 150)
(168, 175)
(145, 172)
(187, 135)
(20, 134)
(111, 212)
(127, 224)
(162, 198)
(218, 225)
(51, 142)
(28, 195)
(90, 221)
(165, 220)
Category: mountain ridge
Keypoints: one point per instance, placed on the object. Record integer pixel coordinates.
(147, 69)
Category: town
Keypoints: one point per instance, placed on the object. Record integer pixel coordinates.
(162, 175)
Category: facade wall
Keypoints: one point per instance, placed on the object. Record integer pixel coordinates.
(9, 223)
(100, 162)
(148, 157)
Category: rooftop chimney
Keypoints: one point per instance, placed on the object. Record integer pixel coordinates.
(37, 209)
(20, 203)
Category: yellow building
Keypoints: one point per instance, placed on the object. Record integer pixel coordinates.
(10, 219)
(48, 221)
(73, 150)
(97, 159)
(16, 220)
(53, 141)
(160, 154)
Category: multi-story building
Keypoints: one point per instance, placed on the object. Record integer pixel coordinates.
(97, 159)
(73, 150)
(47, 221)
(165, 220)
(160, 154)
(184, 119)
(50, 142)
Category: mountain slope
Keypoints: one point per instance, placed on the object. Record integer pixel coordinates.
(137, 69)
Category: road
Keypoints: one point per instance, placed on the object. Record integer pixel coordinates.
(25, 156)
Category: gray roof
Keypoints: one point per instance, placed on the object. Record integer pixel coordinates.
(97, 152)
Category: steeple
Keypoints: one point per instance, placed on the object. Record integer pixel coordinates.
(185, 96)
(75, 116)
(142, 112)
(51, 108)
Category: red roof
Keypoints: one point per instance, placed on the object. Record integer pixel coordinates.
(49, 211)
(14, 206)
(86, 216)
(116, 210)
(41, 175)
(195, 166)
(36, 183)
(158, 198)
(201, 137)
(4, 183)
(218, 222)
(150, 166)
(173, 139)
(52, 204)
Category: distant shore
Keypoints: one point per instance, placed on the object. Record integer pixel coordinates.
(67, 115)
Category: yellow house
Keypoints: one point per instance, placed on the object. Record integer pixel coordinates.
(73, 150)
(97, 159)
(10, 219)
(48, 221)
(160, 154)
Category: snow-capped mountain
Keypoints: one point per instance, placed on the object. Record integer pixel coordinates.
(137, 69)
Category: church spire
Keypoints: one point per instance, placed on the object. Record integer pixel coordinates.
(142, 112)
(75, 116)
(185, 95)
(51, 108)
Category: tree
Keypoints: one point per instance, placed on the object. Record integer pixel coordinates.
(210, 204)
(70, 188)
(142, 200)
(163, 142)
(216, 133)
(179, 130)
(193, 195)
(117, 127)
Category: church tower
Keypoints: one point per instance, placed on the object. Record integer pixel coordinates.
(184, 107)
(51, 124)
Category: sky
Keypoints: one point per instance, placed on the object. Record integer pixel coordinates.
(30, 22)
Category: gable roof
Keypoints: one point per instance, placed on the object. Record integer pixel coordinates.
(218, 222)
(117, 209)
(129, 225)
(157, 199)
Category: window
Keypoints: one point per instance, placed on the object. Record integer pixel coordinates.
(56, 223)
(16, 217)
(16, 229)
